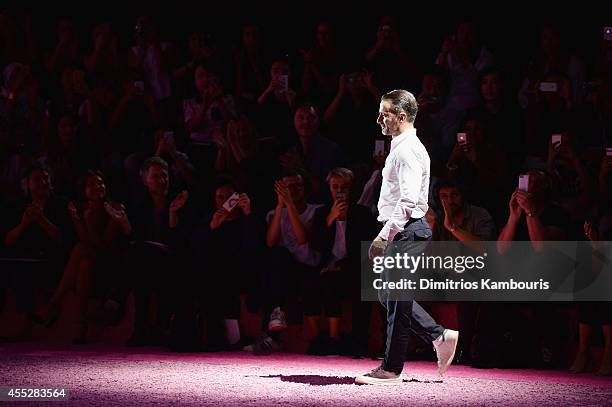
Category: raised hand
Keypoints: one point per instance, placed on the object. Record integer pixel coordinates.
(179, 201)
(218, 218)
(244, 203)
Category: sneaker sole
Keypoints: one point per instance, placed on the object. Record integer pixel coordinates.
(443, 369)
(378, 382)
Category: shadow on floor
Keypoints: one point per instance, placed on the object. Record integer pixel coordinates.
(313, 380)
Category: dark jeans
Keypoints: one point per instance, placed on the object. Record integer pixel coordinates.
(404, 317)
(155, 269)
(282, 279)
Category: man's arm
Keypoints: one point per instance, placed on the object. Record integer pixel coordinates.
(410, 174)
(274, 231)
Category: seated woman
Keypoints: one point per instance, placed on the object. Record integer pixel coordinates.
(100, 225)
(210, 109)
(37, 237)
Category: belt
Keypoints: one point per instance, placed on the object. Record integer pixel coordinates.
(410, 221)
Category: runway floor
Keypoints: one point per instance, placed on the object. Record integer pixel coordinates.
(112, 375)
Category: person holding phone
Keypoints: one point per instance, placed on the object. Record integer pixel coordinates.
(337, 232)
(220, 275)
(402, 207)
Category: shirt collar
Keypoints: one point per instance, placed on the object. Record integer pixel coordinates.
(395, 141)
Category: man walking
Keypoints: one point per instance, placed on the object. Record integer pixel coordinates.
(402, 207)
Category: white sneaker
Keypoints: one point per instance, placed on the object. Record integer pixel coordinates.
(278, 320)
(445, 347)
(379, 376)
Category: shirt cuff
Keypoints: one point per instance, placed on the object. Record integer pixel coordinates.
(387, 232)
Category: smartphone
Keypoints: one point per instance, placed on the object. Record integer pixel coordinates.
(169, 136)
(461, 138)
(556, 140)
(340, 196)
(379, 147)
(607, 33)
(231, 202)
(283, 83)
(548, 87)
(523, 183)
(139, 86)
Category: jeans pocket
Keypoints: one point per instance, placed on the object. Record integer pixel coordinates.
(422, 234)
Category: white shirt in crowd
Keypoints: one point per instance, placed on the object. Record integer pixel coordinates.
(405, 185)
(158, 79)
(303, 253)
(339, 249)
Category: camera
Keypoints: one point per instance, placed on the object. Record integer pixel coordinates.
(607, 33)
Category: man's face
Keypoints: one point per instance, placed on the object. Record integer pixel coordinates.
(295, 185)
(66, 130)
(490, 87)
(95, 188)
(39, 183)
(202, 79)
(323, 35)
(250, 35)
(339, 186)
(277, 69)
(156, 180)
(433, 86)
(451, 198)
(305, 122)
(389, 121)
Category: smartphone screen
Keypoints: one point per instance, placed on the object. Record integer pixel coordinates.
(556, 140)
(231, 202)
(461, 138)
(283, 83)
(523, 183)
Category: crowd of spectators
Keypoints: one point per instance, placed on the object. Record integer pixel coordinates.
(197, 173)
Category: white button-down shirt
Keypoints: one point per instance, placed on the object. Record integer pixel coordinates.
(405, 185)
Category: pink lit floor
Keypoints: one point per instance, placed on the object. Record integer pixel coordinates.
(113, 375)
